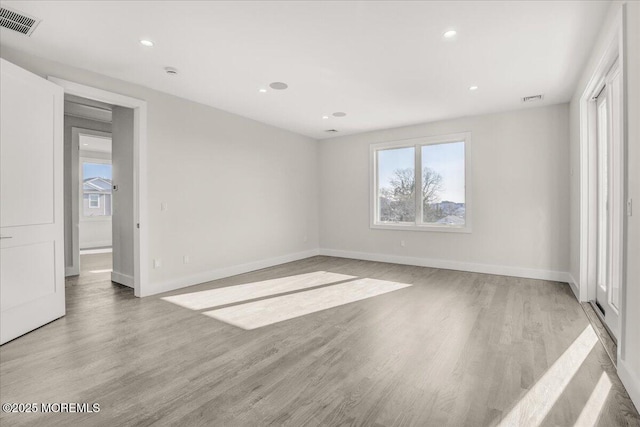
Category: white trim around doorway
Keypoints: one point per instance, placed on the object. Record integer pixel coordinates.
(140, 245)
(74, 268)
(615, 51)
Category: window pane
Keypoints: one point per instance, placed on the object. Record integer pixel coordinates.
(443, 184)
(96, 189)
(396, 179)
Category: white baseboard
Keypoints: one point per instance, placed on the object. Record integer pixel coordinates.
(71, 271)
(574, 286)
(221, 273)
(631, 382)
(106, 244)
(90, 251)
(529, 273)
(123, 279)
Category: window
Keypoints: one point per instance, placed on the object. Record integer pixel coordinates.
(94, 200)
(96, 188)
(420, 184)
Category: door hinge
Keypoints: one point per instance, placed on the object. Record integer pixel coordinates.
(138, 225)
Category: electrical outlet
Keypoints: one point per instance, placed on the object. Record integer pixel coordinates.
(185, 259)
(163, 206)
(305, 239)
(402, 243)
(157, 263)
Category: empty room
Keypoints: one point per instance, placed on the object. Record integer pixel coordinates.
(320, 213)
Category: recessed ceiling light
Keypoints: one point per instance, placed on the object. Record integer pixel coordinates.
(339, 114)
(449, 34)
(262, 90)
(473, 87)
(278, 86)
(85, 144)
(147, 43)
(325, 117)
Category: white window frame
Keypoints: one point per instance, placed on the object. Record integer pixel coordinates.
(82, 160)
(417, 143)
(91, 201)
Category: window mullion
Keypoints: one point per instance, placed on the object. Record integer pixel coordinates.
(418, 186)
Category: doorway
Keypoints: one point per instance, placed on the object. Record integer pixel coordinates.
(96, 182)
(33, 186)
(88, 184)
(607, 174)
(95, 226)
(102, 216)
(129, 193)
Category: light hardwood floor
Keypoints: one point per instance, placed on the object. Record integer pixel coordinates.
(455, 348)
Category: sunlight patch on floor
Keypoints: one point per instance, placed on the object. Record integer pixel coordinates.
(238, 293)
(261, 313)
(108, 270)
(591, 411)
(535, 405)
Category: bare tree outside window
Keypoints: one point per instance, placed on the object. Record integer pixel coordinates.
(397, 202)
(442, 192)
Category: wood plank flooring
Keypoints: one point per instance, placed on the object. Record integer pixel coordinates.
(453, 349)
(603, 335)
(267, 311)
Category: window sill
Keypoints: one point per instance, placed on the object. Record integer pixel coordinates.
(414, 227)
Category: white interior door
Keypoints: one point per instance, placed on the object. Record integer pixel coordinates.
(610, 200)
(31, 199)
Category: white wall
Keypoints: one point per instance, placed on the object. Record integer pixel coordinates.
(520, 197)
(241, 195)
(95, 234)
(629, 350)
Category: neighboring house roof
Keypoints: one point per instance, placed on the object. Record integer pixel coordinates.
(97, 185)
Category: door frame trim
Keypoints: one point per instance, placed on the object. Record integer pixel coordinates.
(74, 268)
(588, 231)
(140, 212)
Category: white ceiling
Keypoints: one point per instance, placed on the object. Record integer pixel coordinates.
(385, 64)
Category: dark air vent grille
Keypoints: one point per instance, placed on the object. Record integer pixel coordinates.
(19, 22)
(532, 98)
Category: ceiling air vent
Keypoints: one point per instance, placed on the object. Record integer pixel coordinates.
(17, 21)
(331, 131)
(532, 98)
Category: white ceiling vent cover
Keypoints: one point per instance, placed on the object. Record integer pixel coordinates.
(532, 98)
(18, 21)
